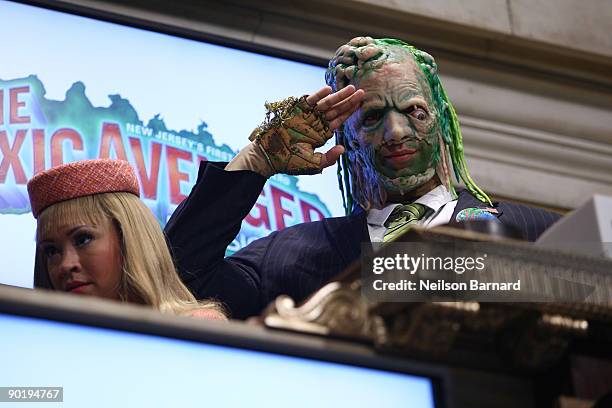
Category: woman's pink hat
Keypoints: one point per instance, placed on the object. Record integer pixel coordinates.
(80, 179)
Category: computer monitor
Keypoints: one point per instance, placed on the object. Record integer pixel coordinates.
(104, 360)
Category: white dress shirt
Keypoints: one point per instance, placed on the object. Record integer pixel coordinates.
(439, 200)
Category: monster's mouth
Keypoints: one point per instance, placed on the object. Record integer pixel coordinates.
(397, 157)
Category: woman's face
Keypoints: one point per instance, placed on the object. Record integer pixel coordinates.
(84, 259)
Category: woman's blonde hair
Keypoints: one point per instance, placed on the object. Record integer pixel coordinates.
(149, 276)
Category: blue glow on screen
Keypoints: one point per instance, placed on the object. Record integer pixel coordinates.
(108, 368)
(184, 81)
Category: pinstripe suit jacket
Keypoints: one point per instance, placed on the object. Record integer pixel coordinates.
(294, 261)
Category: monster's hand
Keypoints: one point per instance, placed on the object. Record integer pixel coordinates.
(293, 129)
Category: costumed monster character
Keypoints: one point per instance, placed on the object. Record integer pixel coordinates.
(402, 143)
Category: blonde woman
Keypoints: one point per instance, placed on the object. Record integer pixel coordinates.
(96, 237)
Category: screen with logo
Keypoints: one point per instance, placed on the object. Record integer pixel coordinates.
(74, 88)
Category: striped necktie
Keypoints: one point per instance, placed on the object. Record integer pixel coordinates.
(402, 218)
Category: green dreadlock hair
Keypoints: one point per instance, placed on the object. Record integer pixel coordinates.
(344, 67)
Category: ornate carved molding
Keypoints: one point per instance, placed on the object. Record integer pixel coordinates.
(336, 309)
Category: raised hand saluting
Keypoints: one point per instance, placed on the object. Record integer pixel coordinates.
(294, 128)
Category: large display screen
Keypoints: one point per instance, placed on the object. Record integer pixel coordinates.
(75, 88)
(107, 368)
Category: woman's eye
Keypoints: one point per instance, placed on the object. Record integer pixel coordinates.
(50, 251)
(417, 113)
(372, 118)
(82, 239)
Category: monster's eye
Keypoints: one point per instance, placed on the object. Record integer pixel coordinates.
(417, 112)
(372, 117)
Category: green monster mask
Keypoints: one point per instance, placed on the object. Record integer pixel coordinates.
(406, 131)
